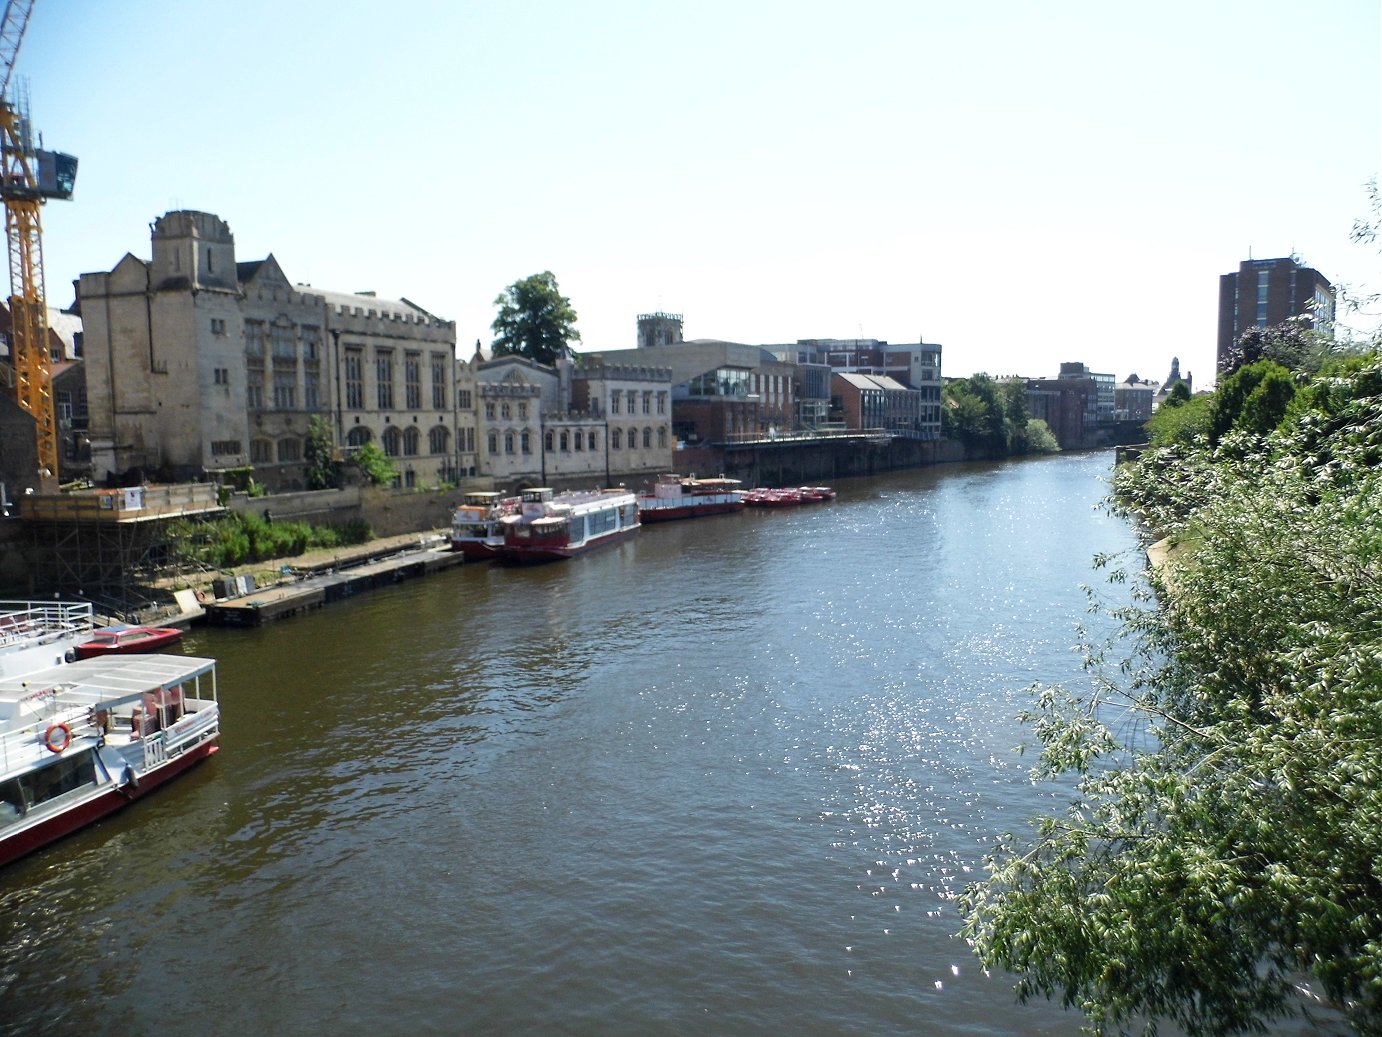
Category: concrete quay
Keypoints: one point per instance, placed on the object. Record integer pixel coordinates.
(312, 581)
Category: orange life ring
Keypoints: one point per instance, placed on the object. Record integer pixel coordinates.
(57, 738)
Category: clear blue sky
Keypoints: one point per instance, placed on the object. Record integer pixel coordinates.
(1025, 183)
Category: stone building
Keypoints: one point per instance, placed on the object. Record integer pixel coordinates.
(721, 391)
(197, 364)
(512, 393)
(634, 403)
(570, 426)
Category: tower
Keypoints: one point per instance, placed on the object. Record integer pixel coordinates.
(658, 329)
(1267, 292)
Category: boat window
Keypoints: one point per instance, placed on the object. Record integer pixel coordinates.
(12, 805)
(68, 773)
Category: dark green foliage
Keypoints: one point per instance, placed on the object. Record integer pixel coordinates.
(238, 539)
(321, 469)
(535, 320)
(1181, 419)
(1224, 778)
(1253, 399)
(990, 418)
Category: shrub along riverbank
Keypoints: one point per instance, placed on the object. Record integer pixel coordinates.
(1225, 837)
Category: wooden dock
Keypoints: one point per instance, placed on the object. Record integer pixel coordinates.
(316, 589)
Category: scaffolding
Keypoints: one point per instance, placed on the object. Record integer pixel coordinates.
(112, 547)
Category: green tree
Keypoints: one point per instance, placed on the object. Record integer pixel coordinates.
(1040, 439)
(1224, 778)
(973, 413)
(535, 320)
(321, 468)
(1016, 416)
(1181, 418)
(1254, 398)
(376, 465)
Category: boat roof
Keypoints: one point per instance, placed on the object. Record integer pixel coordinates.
(105, 679)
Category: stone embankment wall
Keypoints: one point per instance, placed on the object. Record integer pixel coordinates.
(388, 512)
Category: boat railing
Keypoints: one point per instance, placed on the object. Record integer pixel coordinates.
(31, 622)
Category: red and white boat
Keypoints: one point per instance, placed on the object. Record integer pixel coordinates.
(80, 740)
(475, 529)
(122, 640)
(679, 497)
(550, 526)
(787, 496)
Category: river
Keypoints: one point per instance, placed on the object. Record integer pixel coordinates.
(725, 778)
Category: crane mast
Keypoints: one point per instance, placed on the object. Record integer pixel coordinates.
(28, 177)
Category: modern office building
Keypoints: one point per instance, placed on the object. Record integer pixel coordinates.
(1266, 292)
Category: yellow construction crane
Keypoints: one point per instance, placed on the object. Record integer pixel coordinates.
(29, 176)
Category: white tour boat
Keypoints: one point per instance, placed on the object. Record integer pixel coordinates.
(552, 526)
(80, 740)
(36, 634)
(475, 529)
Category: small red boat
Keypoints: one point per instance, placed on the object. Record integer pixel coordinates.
(127, 641)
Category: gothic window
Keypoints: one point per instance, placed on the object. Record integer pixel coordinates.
(355, 380)
(412, 381)
(391, 441)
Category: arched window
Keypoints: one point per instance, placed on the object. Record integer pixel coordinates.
(592, 442)
(391, 440)
(615, 438)
(527, 442)
(438, 439)
(662, 437)
(358, 436)
(508, 442)
(548, 440)
(289, 450)
(565, 441)
(412, 439)
(633, 439)
(493, 443)
(647, 439)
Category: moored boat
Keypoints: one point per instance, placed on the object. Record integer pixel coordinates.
(679, 497)
(780, 497)
(37, 634)
(125, 640)
(475, 529)
(787, 496)
(80, 740)
(550, 526)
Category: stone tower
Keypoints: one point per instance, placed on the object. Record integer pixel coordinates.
(193, 250)
(658, 329)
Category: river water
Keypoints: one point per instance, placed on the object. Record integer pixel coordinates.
(725, 778)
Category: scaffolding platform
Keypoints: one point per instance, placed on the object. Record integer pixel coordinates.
(113, 546)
